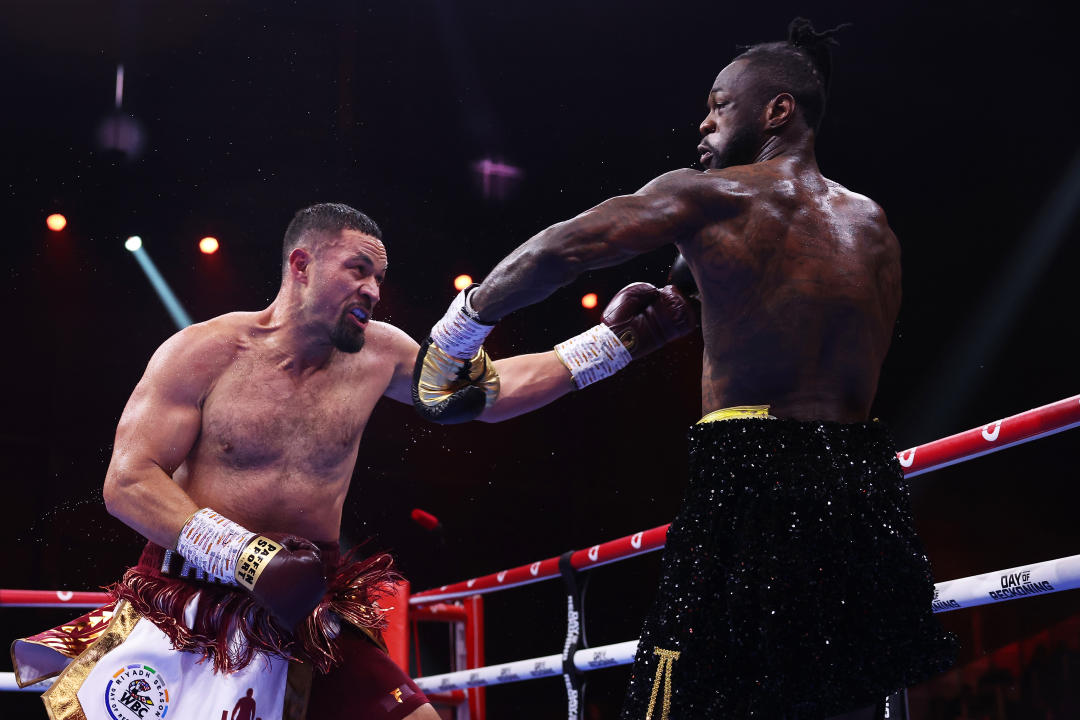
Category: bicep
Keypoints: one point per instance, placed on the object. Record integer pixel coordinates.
(162, 419)
(156, 428)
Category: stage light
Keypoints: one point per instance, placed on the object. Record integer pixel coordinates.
(496, 177)
(168, 298)
(462, 281)
(589, 301)
(56, 222)
(208, 245)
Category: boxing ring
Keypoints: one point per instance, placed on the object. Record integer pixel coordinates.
(460, 604)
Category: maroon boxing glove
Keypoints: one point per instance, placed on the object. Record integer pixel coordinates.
(284, 574)
(645, 318)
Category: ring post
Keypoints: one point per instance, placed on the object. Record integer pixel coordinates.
(474, 653)
(575, 639)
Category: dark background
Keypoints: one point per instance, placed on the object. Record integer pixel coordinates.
(958, 118)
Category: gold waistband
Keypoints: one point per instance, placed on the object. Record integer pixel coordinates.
(760, 412)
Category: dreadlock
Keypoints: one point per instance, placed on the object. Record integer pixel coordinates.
(801, 66)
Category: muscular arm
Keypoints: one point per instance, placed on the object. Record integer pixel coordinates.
(666, 210)
(527, 382)
(156, 432)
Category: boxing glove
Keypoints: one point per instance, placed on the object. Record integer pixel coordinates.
(454, 380)
(645, 318)
(282, 572)
(639, 319)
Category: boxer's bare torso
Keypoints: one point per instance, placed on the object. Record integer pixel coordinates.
(800, 286)
(799, 279)
(259, 415)
(276, 448)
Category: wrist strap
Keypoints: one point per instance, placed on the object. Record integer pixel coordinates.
(213, 543)
(460, 333)
(593, 355)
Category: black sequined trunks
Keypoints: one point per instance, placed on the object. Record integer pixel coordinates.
(793, 582)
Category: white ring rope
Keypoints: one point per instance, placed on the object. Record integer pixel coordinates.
(1012, 583)
(1022, 581)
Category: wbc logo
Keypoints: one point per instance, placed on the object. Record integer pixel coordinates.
(635, 540)
(136, 692)
(594, 552)
(534, 569)
(64, 595)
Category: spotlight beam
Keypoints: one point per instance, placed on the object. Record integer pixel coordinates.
(989, 329)
(172, 304)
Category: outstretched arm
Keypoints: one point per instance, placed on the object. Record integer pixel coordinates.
(526, 382)
(446, 389)
(671, 207)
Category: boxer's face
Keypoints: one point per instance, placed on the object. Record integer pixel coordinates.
(729, 132)
(349, 271)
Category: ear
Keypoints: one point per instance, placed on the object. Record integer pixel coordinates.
(299, 260)
(779, 111)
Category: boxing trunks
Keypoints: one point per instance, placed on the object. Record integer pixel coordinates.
(793, 584)
(175, 642)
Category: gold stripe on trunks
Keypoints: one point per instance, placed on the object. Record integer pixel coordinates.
(738, 411)
(62, 699)
(664, 667)
(253, 560)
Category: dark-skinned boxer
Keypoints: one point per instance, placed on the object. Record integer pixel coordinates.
(793, 582)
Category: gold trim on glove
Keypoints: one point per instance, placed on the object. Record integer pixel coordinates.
(253, 559)
(443, 375)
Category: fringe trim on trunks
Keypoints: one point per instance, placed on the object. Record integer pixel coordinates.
(353, 595)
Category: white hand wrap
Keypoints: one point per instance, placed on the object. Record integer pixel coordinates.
(593, 355)
(212, 543)
(460, 333)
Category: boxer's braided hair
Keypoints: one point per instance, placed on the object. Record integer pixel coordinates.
(801, 65)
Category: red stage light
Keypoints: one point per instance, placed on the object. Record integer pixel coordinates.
(56, 222)
(462, 281)
(589, 301)
(208, 245)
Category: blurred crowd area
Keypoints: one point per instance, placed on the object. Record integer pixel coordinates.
(1037, 678)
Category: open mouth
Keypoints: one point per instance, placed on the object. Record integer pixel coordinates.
(360, 316)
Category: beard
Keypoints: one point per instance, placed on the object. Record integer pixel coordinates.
(347, 337)
(740, 149)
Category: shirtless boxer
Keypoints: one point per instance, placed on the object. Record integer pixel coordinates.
(794, 585)
(233, 458)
